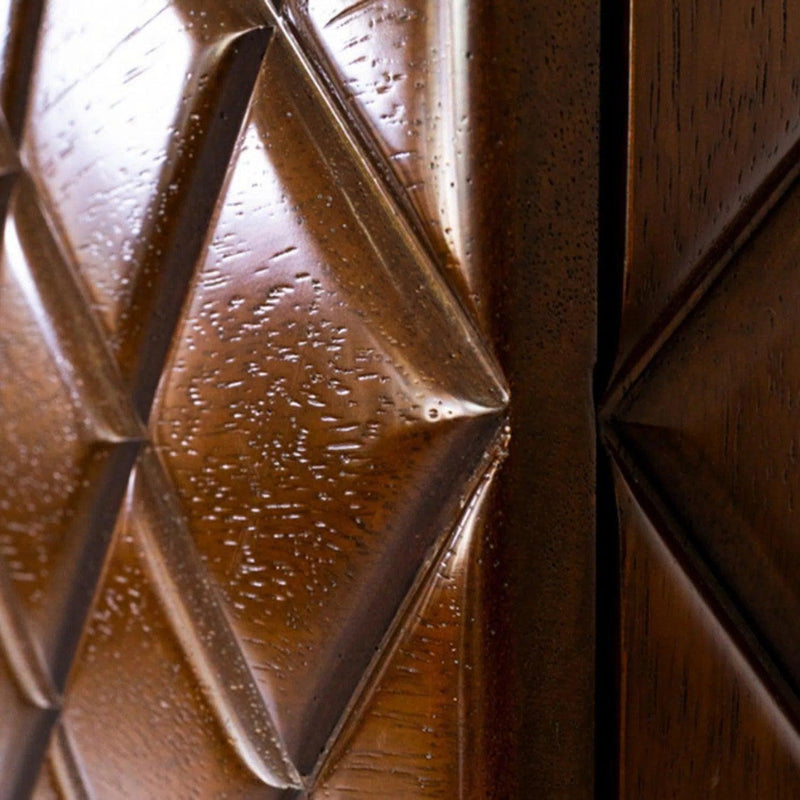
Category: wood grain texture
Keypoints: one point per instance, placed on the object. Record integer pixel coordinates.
(702, 407)
(538, 184)
(326, 402)
(425, 694)
(714, 422)
(696, 720)
(715, 113)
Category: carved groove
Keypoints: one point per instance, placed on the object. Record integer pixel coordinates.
(190, 603)
(409, 610)
(117, 402)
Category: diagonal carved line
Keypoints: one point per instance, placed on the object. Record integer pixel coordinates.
(9, 159)
(704, 275)
(88, 542)
(62, 314)
(733, 619)
(367, 139)
(163, 282)
(416, 597)
(200, 624)
(25, 658)
(70, 780)
(362, 158)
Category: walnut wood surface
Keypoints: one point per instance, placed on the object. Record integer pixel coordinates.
(697, 721)
(267, 272)
(701, 413)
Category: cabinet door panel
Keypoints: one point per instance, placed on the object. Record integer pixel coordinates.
(701, 411)
(264, 277)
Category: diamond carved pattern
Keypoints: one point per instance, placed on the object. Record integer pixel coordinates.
(199, 598)
(701, 415)
(402, 68)
(709, 421)
(350, 354)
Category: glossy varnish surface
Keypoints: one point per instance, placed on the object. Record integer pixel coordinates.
(263, 271)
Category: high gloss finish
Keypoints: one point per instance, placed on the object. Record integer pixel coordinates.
(404, 69)
(130, 174)
(146, 714)
(257, 535)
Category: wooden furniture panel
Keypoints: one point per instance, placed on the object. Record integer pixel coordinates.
(700, 413)
(263, 532)
(697, 720)
(713, 127)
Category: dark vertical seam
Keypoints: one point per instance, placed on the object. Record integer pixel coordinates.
(614, 90)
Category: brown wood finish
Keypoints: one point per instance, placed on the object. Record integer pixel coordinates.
(266, 274)
(298, 327)
(700, 415)
(696, 720)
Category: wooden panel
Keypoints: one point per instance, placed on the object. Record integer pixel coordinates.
(228, 284)
(696, 719)
(423, 694)
(713, 420)
(714, 111)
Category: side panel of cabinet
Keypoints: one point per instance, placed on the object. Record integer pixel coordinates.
(700, 416)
